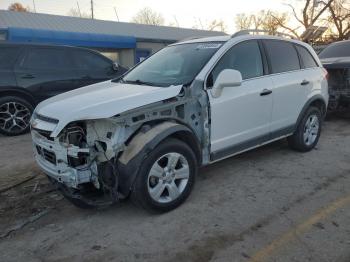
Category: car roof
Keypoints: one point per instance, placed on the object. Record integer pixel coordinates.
(340, 43)
(20, 44)
(41, 45)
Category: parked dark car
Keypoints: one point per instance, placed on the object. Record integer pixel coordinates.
(32, 73)
(336, 59)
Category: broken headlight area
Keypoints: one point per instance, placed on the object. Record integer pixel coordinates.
(81, 160)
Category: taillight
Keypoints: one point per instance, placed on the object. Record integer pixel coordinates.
(326, 74)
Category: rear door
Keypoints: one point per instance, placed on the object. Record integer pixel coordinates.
(289, 85)
(91, 68)
(45, 71)
(313, 74)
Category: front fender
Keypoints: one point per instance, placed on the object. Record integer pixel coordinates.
(139, 147)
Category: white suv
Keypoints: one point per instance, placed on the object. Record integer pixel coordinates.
(189, 105)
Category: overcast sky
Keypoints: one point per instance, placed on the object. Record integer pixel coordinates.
(187, 12)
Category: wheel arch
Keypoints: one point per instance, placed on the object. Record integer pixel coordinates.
(18, 92)
(146, 139)
(317, 101)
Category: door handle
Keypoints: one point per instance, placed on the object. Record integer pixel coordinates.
(28, 76)
(265, 92)
(304, 83)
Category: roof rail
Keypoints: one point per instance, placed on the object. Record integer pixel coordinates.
(188, 39)
(257, 31)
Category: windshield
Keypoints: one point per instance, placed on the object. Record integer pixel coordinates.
(173, 65)
(340, 49)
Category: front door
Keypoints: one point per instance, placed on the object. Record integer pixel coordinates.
(241, 116)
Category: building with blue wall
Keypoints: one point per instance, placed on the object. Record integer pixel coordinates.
(127, 43)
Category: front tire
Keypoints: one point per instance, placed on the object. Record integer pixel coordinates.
(15, 114)
(166, 177)
(308, 131)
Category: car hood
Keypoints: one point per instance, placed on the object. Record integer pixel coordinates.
(102, 100)
(336, 62)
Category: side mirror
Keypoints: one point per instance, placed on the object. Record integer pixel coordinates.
(115, 66)
(226, 78)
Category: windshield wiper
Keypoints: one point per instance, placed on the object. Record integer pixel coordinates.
(140, 82)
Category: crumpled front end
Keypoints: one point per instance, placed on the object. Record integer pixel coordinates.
(74, 159)
(96, 161)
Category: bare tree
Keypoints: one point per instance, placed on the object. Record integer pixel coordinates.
(213, 25)
(243, 21)
(18, 7)
(264, 20)
(217, 25)
(310, 13)
(76, 13)
(339, 19)
(270, 21)
(148, 16)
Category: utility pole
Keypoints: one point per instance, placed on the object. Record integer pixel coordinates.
(34, 6)
(176, 21)
(92, 9)
(79, 9)
(116, 13)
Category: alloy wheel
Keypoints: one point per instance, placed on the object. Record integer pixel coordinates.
(168, 177)
(311, 129)
(14, 117)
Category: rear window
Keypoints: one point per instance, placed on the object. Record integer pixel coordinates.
(8, 57)
(306, 58)
(283, 56)
(46, 58)
(340, 49)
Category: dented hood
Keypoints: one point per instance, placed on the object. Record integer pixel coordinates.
(102, 100)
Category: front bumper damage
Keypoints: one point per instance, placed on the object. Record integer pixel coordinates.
(80, 168)
(51, 156)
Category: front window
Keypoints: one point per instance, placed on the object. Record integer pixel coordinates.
(173, 65)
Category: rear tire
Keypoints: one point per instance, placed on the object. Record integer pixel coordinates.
(15, 114)
(308, 131)
(166, 177)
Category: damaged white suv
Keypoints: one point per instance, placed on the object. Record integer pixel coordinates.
(191, 104)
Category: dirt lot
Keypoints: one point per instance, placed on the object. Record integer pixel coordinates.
(270, 204)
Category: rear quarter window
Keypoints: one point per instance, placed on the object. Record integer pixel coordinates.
(307, 59)
(8, 57)
(282, 55)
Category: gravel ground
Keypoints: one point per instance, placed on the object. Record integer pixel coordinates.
(269, 204)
